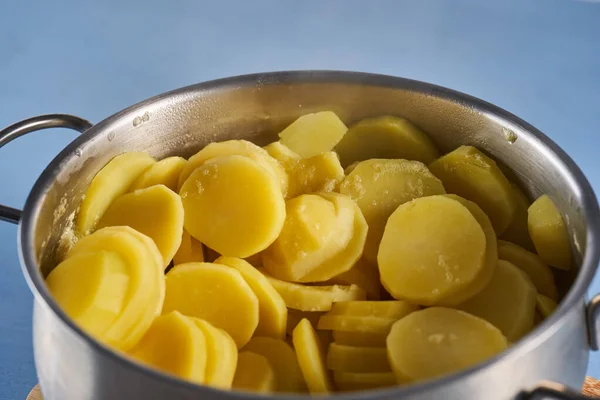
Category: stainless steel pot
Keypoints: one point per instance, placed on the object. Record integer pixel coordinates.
(71, 365)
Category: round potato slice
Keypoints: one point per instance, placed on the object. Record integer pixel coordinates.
(155, 211)
(350, 381)
(438, 341)
(164, 172)
(508, 301)
(254, 373)
(91, 289)
(361, 339)
(176, 345)
(215, 293)
(311, 358)
(432, 248)
(471, 174)
(281, 152)
(532, 264)
(357, 359)
(545, 305)
(385, 137)
(379, 186)
(517, 232)
(383, 309)
(190, 250)
(363, 274)
(352, 323)
(272, 311)
(221, 355)
(233, 205)
(549, 233)
(321, 173)
(282, 358)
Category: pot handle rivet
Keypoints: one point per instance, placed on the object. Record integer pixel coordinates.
(29, 125)
(593, 322)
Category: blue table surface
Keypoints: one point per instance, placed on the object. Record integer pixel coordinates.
(537, 59)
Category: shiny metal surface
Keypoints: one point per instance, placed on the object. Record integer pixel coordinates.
(72, 366)
(594, 323)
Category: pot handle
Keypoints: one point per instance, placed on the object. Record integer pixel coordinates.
(26, 126)
(548, 390)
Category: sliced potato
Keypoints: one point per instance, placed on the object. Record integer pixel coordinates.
(545, 305)
(192, 290)
(113, 180)
(190, 250)
(311, 358)
(221, 355)
(351, 323)
(312, 134)
(471, 174)
(155, 211)
(385, 137)
(508, 301)
(383, 309)
(295, 316)
(233, 205)
(361, 339)
(379, 186)
(271, 307)
(321, 173)
(282, 358)
(549, 233)
(432, 248)
(357, 359)
(350, 381)
(164, 172)
(254, 373)
(517, 232)
(281, 152)
(438, 341)
(362, 274)
(532, 264)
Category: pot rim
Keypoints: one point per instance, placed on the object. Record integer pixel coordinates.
(573, 299)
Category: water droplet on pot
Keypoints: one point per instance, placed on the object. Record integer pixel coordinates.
(509, 135)
(137, 121)
(111, 136)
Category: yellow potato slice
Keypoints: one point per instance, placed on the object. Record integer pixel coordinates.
(361, 339)
(549, 233)
(438, 341)
(272, 312)
(432, 248)
(239, 148)
(321, 173)
(383, 309)
(281, 153)
(362, 274)
(295, 316)
(508, 301)
(176, 345)
(314, 298)
(385, 137)
(233, 205)
(221, 355)
(379, 186)
(215, 293)
(532, 264)
(311, 358)
(517, 231)
(164, 172)
(471, 174)
(357, 359)
(350, 381)
(91, 289)
(113, 180)
(156, 212)
(190, 250)
(282, 358)
(146, 289)
(254, 373)
(545, 305)
(312, 134)
(351, 323)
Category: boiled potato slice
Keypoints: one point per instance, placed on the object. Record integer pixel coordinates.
(439, 341)
(190, 250)
(349, 381)
(508, 301)
(283, 359)
(91, 289)
(383, 309)
(272, 312)
(545, 305)
(432, 248)
(385, 137)
(357, 359)
(379, 186)
(239, 148)
(155, 211)
(362, 339)
(146, 289)
(471, 174)
(192, 290)
(254, 373)
(311, 358)
(517, 231)
(363, 274)
(352, 323)
(281, 153)
(295, 316)
(233, 205)
(176, 345)
(164, 172)
(312, 134)
(321, 173)
(221, 355)
(549, 233)
(113, 180)
(532, 264)
(314, 298)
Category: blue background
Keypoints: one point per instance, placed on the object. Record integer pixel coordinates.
(537, 59)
